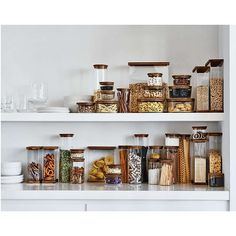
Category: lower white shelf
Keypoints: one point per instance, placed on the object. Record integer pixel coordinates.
(99, 191)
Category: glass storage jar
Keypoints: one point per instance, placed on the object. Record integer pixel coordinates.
(113, 175)
(216, 84)
(180, 104)
(99, 157)
(123, 95)
(155, 152)
(216, 180)
(154, 170)
(199, 133)
(142, 140)
(180, 91)
(106, 86)
(135, 165)
(49, 164)
(172, 139)
(123, 154)
(201, 81)
(153, 92)
(107, 95)
(154, 79)
(107, 106)
(181, 79)
(34, 167)
(200, 161)
(171, 153)
(166, 178)
(86, 107)
(100, 73)
(214, 152)
(65, 163)
(77, 166)
(146, 105)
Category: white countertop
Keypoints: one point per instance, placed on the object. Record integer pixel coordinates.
(100, 191)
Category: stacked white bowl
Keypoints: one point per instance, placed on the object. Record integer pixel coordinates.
(11, 172)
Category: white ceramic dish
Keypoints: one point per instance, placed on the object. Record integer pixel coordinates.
(11, 168)
(12, 179)
(70, 101)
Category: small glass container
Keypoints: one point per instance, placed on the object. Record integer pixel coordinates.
(166, 178)
(154, 170)
(180, 105)
(181, 79)
(153, 92)
(107, 95)
(65, 163)
(106, 86)
(77, 166)
(172, 139)
(214, 152)
(154, 79)
(49, 164)
(200, 161)
(34, 168)
(100, 73)
(123, 154)
(99, 158)
(123, 95)
(86, 107)
(171, 153)
(135, 165)
(201, 81)
(199, 133)
(216, 84)
(216, 180)
(155, 152)
(180, 91)
(107, 106)
(113, 174)
(146, 105)
(142, 140)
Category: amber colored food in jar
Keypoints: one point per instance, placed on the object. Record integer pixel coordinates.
(180, 105)
(150, 105)
(107, 106)
(86, 107)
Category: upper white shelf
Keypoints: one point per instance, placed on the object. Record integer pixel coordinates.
(110, 117)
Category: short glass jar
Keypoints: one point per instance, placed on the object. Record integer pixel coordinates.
(106, 85)
(180, 91)
(146, 105)
(216, 180)
(77, 166)
(181, 79)
(86, 107)
(153, 92)
(154, 79)
(113, 174)
(100, 71)
(107, 95)
(180, 105)
(154, 170)
(199, 133)
(155, 152)
(106, 106)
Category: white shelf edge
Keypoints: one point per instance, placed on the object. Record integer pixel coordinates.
(111, 117)
(69, 192)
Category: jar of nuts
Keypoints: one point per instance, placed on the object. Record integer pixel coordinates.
(180, 104)
(106, 106)
(147, 105)
(214, 152)
(153, 92)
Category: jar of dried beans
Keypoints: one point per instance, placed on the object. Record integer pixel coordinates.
(216, 84)
(113, 174)
(49, 164)
(154, 79)
(77, 166)
(201, 81)
(34, 167)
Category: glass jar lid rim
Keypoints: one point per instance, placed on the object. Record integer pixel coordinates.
(106, 102)
(148, 87)
(106, 83)
(199, 127)
(215, 134)
(50, 147)
(75, 150)
(34, 147)
(101, 147)
(154, 74)
(66, 135)
(141, 135)
(172, 134)
(86, 103)
(201, 69)
(180, 86)
(171, 147)
(156, 147)
(100, 66)
(184, 77)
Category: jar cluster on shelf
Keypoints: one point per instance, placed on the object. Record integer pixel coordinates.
(185, 158)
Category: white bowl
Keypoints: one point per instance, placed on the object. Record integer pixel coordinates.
(11, 168)
(71, 102)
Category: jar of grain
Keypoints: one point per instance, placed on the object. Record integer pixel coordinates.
(104, 106)
(147, 105)
(216, 84)
(201, 82)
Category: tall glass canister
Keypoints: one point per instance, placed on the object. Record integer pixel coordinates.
(216, 84)
(142, 140)
(65, 163)
(201, 88)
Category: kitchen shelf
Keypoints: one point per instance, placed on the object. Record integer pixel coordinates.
(99, 191)
(111, 117)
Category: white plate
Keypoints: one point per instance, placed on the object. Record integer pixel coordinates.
(12, 177)
(52, 108)
(12, 181)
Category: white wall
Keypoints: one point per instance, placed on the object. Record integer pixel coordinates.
(64, 55)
